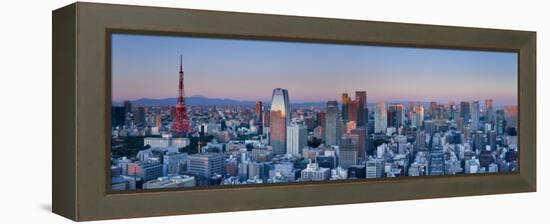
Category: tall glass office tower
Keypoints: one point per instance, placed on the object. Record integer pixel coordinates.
(380, 118)
(333, 124)
(279, 120)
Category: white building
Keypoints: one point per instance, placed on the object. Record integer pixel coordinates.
(170, 182)
(472, 166)
(338, 173)
(315, 173)
(380, 118)
(374, 168)
(296, 138)
(418, 116)
(166, 141)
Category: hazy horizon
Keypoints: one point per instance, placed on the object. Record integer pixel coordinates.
(248, 70)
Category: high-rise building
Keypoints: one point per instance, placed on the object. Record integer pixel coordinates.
(258, 110)
(332, 123)
(479, 141)
(180, 123)
(431, 108)
(205, 164)
(353, 110)
(279, 120)
(359, 136)
(474, 113)
(374, 168)
(266, 118)
(492, 137)
(158, 121)
(418, 116)
(139, 116)
(438, 112)
(489, 110)
(321, 120)
(465, 110)
(437, 163)
(259, 116)
(127, 106)
(348, 153)
(420, 141)
(380, 118)
(361, 98)
(395, 115)
(345, 107)
(296, 139)
(500, 122)
(118, 116)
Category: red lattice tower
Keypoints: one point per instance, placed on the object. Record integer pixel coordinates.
(180, 124)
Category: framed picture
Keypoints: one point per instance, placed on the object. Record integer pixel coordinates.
(160, 111)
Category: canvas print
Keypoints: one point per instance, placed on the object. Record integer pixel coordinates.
(196, 112)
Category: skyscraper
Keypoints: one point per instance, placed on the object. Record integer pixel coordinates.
(465, 110)
(127, 106)
(348, 152)
(474, 113)
(479, 141)
(431, 108)
(259, 111)
(345, 106)
(259, 116)
(361, 98)
(380, 118)
(374, 168)
(359, 135)
(395, 115)
(500, 124)
(353, 110)
(332, 123)
(279, 120)
(437, 163)
(296, 139)
(418, 116)
(489, 111)
(139, 116)
(118, 116)
(158, 121)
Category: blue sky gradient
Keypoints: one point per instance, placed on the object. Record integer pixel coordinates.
(147, 66)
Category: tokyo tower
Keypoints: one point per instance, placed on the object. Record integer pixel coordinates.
(180, 124)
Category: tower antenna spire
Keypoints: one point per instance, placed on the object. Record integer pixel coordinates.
(180, 124)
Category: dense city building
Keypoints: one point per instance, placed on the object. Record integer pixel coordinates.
(296, 139)
(173, 146)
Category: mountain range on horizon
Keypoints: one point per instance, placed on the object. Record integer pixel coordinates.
(191, 101)
(198, 100)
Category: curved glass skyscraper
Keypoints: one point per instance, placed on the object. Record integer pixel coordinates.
(279, 120)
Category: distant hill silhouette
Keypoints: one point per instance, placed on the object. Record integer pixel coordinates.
(191, 101)
(198, 100)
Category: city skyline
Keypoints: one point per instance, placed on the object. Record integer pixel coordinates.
(179, 146)
(135, 68)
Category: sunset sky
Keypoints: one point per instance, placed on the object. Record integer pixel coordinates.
(147, 67)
